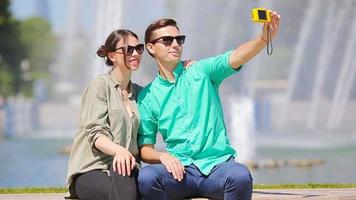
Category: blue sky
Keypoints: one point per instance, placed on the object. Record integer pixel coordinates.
(57, 11)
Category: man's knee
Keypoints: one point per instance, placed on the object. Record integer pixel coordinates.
(240, 177)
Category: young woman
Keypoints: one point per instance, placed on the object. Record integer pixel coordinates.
(102, 163)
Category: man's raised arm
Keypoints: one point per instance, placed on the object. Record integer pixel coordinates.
(250, 49)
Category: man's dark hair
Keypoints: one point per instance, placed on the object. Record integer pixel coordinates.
(157, 25)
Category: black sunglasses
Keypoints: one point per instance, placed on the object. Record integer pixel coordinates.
(130, 49)
(168, 40)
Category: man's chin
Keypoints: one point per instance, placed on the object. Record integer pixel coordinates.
(175, 55)
(174, 59)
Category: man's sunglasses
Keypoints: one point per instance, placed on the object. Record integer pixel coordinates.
(130, 49)
(168, 40)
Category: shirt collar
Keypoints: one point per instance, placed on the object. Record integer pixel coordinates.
(176, 72)
(117, 85)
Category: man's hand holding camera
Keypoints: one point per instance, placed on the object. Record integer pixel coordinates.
(273, 26)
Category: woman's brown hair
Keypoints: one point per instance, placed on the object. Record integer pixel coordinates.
(111, 42)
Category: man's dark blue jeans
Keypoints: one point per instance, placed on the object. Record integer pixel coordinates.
(229, 180)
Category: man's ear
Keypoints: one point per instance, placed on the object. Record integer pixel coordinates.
(111, 56)
(150, 48)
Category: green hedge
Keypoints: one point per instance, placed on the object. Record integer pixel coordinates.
(31, 190)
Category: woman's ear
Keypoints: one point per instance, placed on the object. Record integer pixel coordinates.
(111, 56)
(150, 48)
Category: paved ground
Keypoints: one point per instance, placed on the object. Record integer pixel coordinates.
(309, 194)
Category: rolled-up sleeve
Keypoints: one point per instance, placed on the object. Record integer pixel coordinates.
(94, 114)
(217, 68)
(148, 127)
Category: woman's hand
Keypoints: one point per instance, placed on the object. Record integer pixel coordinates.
(123, 161)
(188, 63)
(173, 165)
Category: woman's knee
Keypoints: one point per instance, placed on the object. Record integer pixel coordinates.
(92, 185)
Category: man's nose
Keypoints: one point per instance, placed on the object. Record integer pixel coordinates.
(175, 43)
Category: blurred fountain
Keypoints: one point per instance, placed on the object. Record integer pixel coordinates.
(332, 26)
(344, 81)
(306, 31)
(62, 75)
(108, 18)
(242, 131)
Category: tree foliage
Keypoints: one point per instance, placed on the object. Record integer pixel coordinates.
(10, 51)
(31, 40)
(39, 44)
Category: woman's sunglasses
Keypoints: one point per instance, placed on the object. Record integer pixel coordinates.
(168, 40)
(130, 49)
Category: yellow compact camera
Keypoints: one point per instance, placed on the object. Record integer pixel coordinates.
(261, 15)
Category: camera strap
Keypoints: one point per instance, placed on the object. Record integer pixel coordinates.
(269, 41)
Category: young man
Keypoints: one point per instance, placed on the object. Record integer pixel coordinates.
(184, 106)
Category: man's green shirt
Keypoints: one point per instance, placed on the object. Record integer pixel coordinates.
(188, 113)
